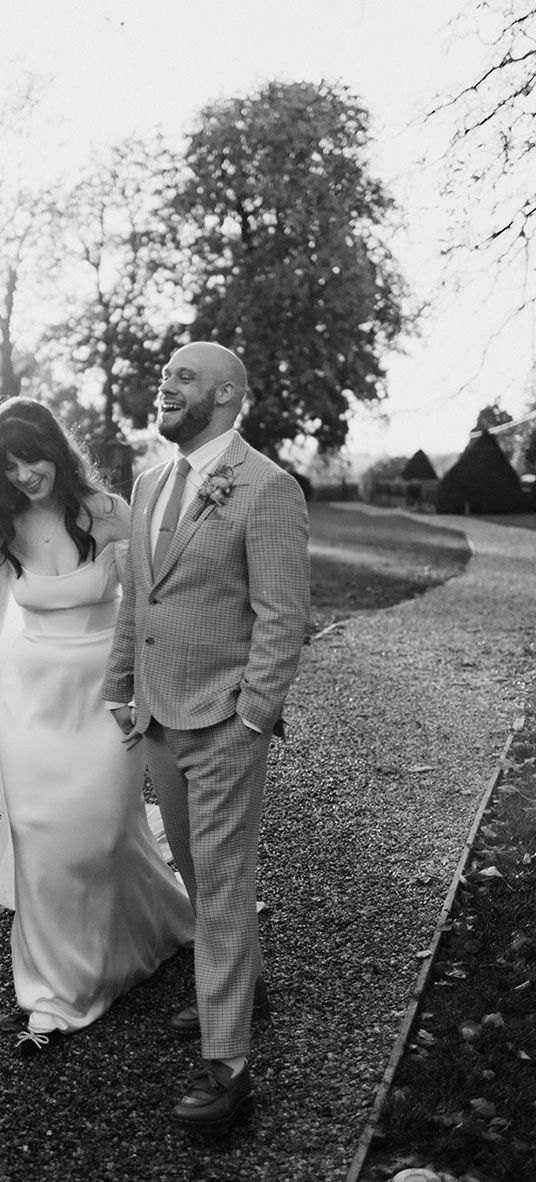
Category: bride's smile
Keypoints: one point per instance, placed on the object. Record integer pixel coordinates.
(34, 478)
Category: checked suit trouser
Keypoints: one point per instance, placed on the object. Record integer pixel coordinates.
(209, 783)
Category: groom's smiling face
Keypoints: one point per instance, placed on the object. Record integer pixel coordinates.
(185, 400)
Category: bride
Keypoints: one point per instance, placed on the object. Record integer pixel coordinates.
(96, 907)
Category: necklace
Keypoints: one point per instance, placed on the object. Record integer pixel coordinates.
(53, 530)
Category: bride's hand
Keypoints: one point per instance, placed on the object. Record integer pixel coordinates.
(132, 739)
(125, 717)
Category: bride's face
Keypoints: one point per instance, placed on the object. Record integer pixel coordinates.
(34, 478)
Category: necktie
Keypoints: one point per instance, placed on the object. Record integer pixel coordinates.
(171, 516)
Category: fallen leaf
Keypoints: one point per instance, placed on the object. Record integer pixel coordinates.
(416, 1174)
(483, 1107)
(493, 1020)
(426, 1038)
(470, 1031)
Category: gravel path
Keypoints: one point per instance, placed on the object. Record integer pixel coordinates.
(395, 724)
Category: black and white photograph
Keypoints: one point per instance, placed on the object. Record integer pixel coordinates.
(267, 591)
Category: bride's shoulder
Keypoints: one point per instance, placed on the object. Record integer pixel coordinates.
(111, 516)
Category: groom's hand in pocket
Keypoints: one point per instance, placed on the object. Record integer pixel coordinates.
(125, 717)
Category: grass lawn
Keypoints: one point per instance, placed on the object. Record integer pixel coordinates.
(362, 561)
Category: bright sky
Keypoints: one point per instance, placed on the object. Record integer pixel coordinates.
(124, 65)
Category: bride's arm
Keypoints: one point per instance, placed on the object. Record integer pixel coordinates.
(5, 597)
(6, 848)
(4, 591)
(120, 557)
(10, 612)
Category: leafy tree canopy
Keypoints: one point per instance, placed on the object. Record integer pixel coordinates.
(120, 238)
(385, 469)
(529, 454)
(492, 416)
(26, 218)
(289, 265)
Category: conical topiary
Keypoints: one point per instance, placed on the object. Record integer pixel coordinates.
(419, 468)
(482, 481)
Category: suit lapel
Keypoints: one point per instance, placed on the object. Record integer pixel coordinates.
(234, 456)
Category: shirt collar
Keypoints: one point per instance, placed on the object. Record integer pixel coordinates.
(206, 455)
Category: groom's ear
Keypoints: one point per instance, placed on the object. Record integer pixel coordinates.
(225, 393)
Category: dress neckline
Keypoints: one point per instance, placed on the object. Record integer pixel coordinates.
(68, 574)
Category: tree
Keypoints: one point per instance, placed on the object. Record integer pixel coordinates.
(289, 265)
(121, 239)
(490, 157)
(26, 213)
(492, 416)
(382, 471)
(529, 455)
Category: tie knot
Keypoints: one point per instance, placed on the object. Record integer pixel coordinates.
(183, 467)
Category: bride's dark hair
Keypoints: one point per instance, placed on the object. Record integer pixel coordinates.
(29, 431)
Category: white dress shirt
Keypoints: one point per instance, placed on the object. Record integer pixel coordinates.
(202, 462)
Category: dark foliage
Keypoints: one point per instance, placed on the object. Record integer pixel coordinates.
(419, 468)
(289, 265)
(482, 481)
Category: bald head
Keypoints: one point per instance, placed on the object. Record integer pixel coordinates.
(217, 364)
(202, 391)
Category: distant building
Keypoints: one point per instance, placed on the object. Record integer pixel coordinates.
(482, 481)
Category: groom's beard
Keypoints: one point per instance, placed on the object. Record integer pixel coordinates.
(185, 424)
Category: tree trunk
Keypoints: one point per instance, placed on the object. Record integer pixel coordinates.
(10, 383)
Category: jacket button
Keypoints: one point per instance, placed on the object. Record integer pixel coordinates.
(149, 639)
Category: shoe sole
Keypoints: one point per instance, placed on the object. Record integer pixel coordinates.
(241, 1112)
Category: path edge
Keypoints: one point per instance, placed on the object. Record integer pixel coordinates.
(365, 1140)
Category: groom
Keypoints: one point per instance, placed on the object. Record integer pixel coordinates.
(208, 638)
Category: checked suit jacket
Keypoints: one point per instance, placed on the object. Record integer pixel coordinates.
(221, 628)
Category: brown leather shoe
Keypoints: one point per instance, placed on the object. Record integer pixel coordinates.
(216, 1098)
(185, 1022)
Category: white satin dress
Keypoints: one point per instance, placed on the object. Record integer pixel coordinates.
(96, 907)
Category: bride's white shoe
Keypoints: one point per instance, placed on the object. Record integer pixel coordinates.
(32, 1042)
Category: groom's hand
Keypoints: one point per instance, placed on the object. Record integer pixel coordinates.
(125, 717)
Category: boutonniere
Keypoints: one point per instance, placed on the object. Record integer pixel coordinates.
(216, 486)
